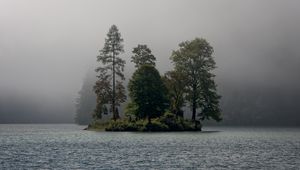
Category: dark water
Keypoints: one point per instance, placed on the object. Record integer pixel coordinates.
(69, 147)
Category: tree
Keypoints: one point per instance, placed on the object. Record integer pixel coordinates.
(209, 103)
(103, 92)
(85, 102)
(142, 55)
(175, 84)
(147, 92)
(195, 62)
(112, 66)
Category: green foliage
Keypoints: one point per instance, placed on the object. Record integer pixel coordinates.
(112, 66)
(175, 83)
(195, 62)
(108, 55)
(119, 125)
(192, 80)
(147, 92)
(112, 47)
(103, 92)
(172, 122)
(126, 125)
(142, 56)
(155, 126)
(131, 110)
(209, 99)
(177, 123)
(167, 122)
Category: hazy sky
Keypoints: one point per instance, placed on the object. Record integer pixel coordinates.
(46, 47)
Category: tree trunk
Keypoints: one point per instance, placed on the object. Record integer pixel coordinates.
(114, 90)
(194, 112)
(194, 104)
(198, 125)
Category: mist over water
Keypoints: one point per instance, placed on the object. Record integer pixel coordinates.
(48, 55)
(47, 48)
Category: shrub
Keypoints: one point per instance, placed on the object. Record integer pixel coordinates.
(174, 123)
(167, 122)
(125, 125)
(155, 126)
(188, 125)
(118, 125)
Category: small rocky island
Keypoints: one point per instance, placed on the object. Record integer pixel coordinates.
(156, 101)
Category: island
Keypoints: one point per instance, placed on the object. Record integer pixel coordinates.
(155, 101)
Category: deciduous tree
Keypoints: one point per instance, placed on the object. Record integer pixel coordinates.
(195, 62)
(175, 84)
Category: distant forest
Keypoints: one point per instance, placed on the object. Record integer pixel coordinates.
(241, 104)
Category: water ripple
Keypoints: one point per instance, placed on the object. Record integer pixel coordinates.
(69, 147)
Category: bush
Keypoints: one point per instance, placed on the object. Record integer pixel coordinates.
(167, 122)
(188, 125)
(141, 125)
(120, 125)
(125, 125)
(171, 121)
(155, 126)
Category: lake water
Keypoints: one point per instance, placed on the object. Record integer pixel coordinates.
(67, 146)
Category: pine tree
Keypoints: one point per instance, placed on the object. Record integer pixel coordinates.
(142, 55)
(109, 87)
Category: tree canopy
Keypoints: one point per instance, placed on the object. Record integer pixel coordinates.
(175, 83)
(194, 61)
(148, 92)
(142, 56)
(190, 83)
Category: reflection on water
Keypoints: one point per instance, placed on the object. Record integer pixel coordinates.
(70, 147)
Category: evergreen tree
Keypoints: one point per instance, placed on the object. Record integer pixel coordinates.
(195, 62)
(142, 55)
(147, 92)
(109, 87)
(85, 102)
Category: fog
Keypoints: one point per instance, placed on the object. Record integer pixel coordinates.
(47, 47)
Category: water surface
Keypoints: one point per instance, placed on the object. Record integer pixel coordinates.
(67, 146)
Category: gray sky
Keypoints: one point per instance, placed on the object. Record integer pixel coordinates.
(46, 47)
